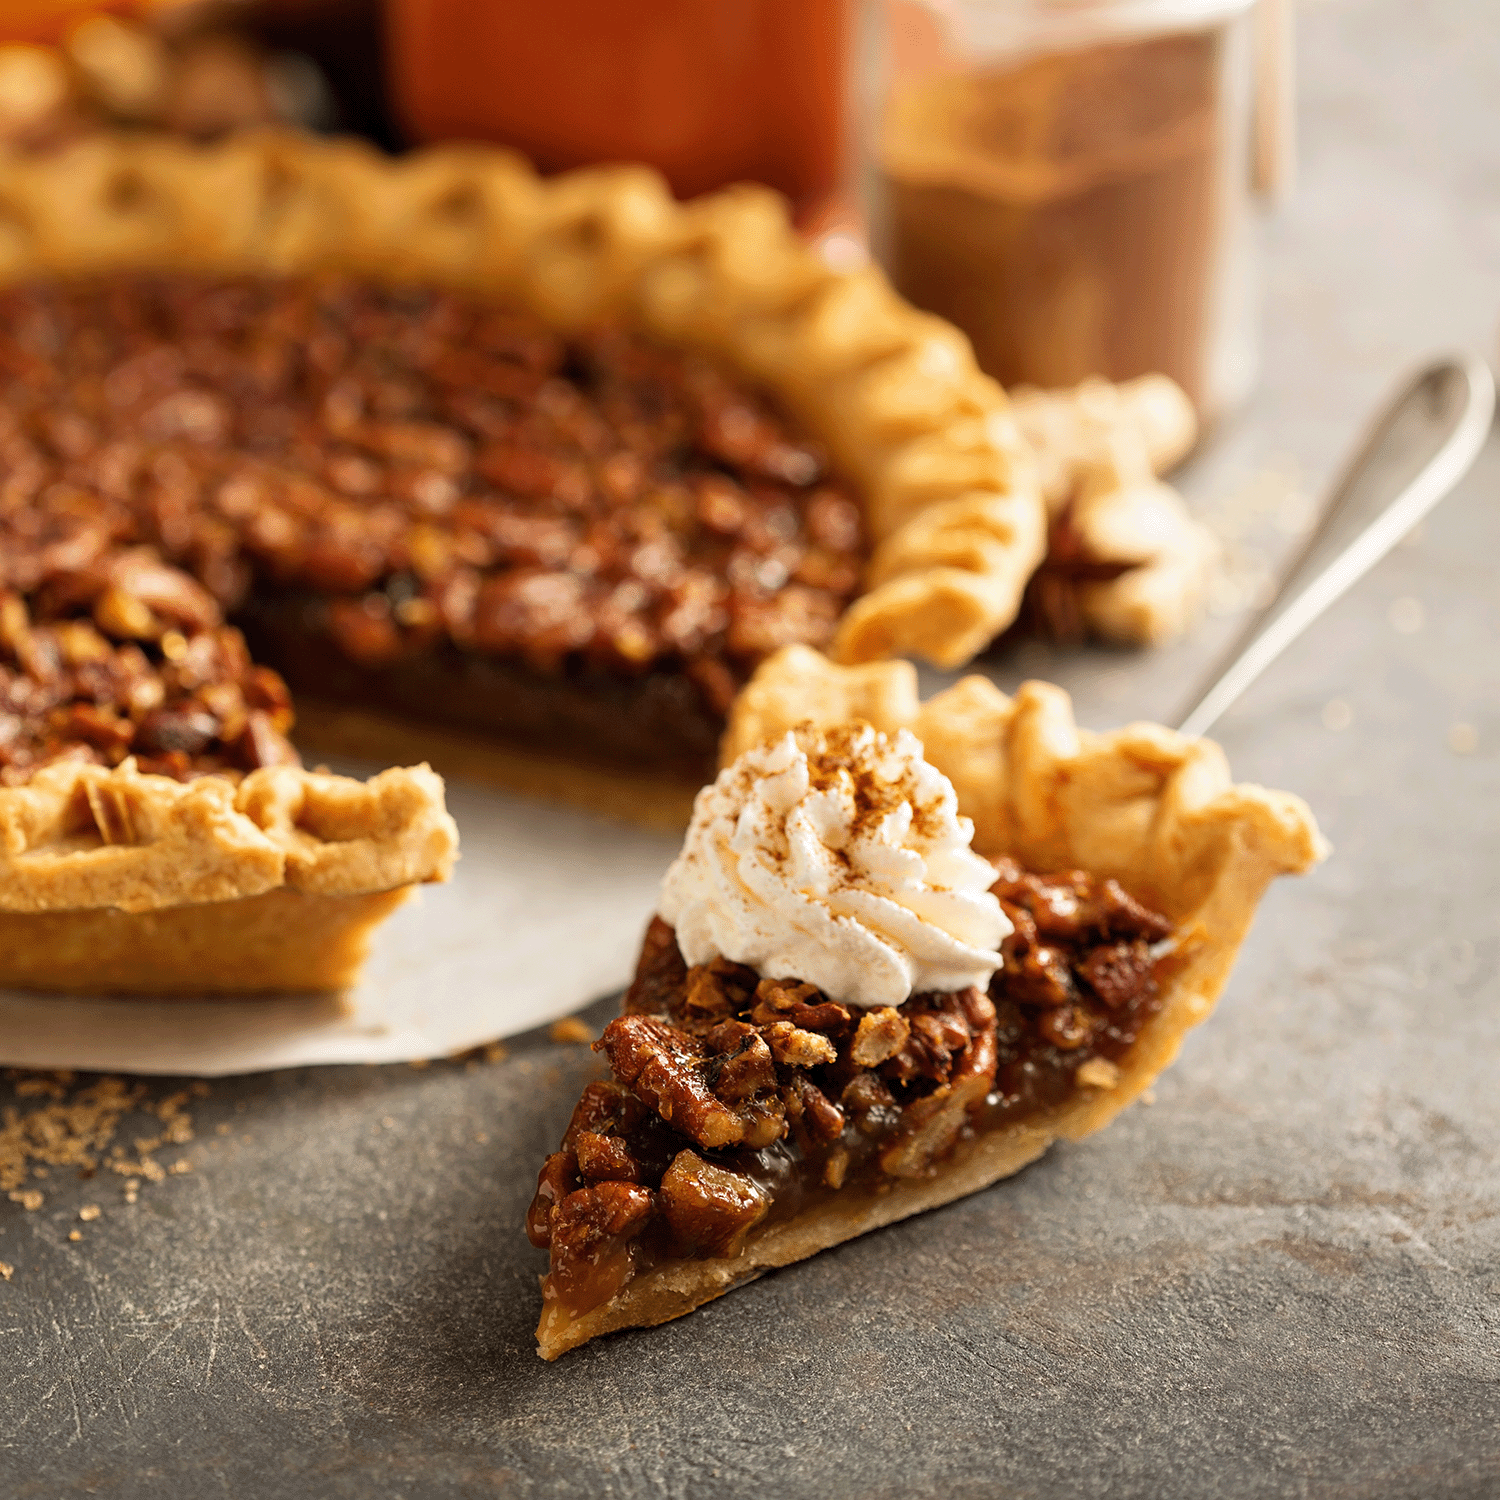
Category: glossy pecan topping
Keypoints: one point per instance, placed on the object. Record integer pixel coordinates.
(437, 470)
(735, 1096)
(115, 654)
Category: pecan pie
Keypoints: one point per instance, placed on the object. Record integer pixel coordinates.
(532, 472)
(157, 832)
(769, 1102)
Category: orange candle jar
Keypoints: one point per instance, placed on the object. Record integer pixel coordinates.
(707, 91)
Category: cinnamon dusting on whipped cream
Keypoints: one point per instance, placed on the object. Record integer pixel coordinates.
(837, 858)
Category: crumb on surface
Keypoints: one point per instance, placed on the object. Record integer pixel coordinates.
(75, 1235)
(1463, 739)
(1098, 1073)
(73, 1124)
(1337, 715)
(571, 1032)
(6, 1270)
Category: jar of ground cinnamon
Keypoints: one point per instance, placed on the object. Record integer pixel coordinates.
(1069, 182)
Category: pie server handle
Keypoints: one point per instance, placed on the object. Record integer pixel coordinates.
(1377, 500)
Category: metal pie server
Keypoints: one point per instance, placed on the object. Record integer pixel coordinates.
(1444, 411)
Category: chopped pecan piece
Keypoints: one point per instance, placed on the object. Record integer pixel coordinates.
(558, 1178)
(774, 997)
(870, 1104)
(1067, 1026)
(808, 1106)
(1036, 973)
(939, 1032)
(743, 1064)
(795, 1048)
(660, 972)
(666, 1068)
(789, 1000)
(881, 1035)
(591, 1234)
(930, 1127)
(709, 1209)
(706, 998)
(1117, 972)
(604, 1158)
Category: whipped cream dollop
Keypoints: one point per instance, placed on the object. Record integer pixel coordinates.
(840, 859)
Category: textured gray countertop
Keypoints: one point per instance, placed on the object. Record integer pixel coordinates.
(1281, 1278)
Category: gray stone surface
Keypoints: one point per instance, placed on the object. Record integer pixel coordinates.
(1281, 1279)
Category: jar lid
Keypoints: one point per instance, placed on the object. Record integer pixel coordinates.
(997, 26)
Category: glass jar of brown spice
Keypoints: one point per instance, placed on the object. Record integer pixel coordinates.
(1070, 182)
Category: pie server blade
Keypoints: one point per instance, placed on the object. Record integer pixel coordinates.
(1444, 411)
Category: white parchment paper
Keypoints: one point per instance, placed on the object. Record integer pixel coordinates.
(544, 914)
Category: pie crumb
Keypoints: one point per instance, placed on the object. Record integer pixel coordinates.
(1337, 715)
(571, 1032)
(74, 1235)
(1463, 739)
(6, 1271)
(1098, 1073)
(74, 1124)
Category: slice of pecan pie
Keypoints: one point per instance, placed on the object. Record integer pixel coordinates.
(525, 476)
(843, 1015)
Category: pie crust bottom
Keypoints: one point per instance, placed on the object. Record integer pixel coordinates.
(280, 941)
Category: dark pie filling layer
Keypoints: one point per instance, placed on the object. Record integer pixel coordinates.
(415, 500)
(1050, 606)
(739, 1101)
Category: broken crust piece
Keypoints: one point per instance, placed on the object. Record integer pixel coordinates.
(1126, 561)
(1142, 810)
(115, 882)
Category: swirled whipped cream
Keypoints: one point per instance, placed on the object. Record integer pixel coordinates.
(839, 859)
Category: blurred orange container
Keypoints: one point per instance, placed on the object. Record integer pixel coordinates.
(708, 91)
(47, 22)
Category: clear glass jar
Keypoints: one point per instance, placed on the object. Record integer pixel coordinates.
(1069, 181)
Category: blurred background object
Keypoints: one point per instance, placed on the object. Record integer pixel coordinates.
(1070, 181)
(199, 68)
(706, 91)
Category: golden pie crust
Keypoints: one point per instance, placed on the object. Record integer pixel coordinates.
(1101, 450)
(114, 882)
(1142, 804)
